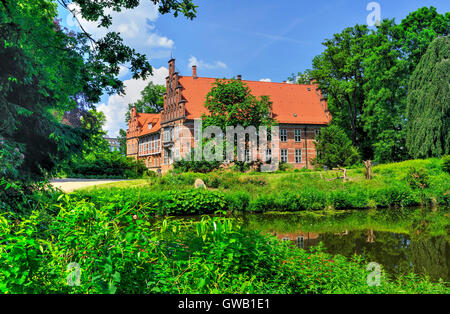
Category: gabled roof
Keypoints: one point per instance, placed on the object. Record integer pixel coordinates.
(291, 103)
(144, 119)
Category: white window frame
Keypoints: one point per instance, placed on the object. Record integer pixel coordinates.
(298, 156)
(268, 154)
(285, 158)
(283, 135)
(298, 135)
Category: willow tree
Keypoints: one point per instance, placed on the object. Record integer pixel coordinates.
(428, 103)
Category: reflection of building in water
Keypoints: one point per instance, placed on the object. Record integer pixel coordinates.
(302, 240)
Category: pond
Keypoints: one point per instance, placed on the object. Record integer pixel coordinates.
(403, 241)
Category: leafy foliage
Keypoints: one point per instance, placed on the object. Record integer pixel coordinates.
(127, 251)
(428, 109)
(196, 166)
(230, 103)
(334, 148)
(152, 100)
(365, 76)
(111, 165)
(339, 73)
(50, 69)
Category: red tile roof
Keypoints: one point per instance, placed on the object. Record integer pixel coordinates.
(143, 121)
(291, 103)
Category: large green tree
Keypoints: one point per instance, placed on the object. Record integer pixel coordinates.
(339, 73)
(365, 76)
(394, 51)
(45, 69)
(383, 112)
(428, 105)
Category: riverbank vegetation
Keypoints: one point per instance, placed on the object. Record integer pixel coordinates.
(405, 184)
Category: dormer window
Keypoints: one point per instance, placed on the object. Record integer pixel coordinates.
(150, 126)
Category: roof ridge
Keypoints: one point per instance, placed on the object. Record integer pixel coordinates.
(230, 79)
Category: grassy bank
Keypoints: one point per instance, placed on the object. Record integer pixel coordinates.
(406, 184)
(127, 251)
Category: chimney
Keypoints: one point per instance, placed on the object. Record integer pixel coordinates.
(171, 67)
(239, 77)
(194, 72)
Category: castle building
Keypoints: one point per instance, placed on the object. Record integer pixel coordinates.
(300, 111)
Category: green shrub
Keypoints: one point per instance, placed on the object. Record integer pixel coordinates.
(111, 165)
(446, 163)
(237, 201)
(262, 204)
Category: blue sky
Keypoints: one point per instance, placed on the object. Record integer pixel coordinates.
(259, 39)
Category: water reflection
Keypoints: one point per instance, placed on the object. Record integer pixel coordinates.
(398, 252)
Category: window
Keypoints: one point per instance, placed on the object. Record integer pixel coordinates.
(283, 135)
(300, 242)
(268, 154)
(247, 155)
(150, 126)
(166, 156)
(284, 155)
(298, 156)
(168, 135)
(298, 135)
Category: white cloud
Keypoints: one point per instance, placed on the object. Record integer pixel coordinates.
(117, 106)
(157, 41)
(204, 65)
(265, 80)
(135, 26)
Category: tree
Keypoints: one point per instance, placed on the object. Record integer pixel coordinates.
(334, 148)
(94, 122)
(230, 103)
(428, 104)
(303, 78)
(48, 68)
(418, 30)
(152, 100)
(393, 53)
(339, 73)
(122, 141)
(385, 91)
(365, 76)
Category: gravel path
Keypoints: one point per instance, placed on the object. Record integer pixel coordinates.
(70, 185)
